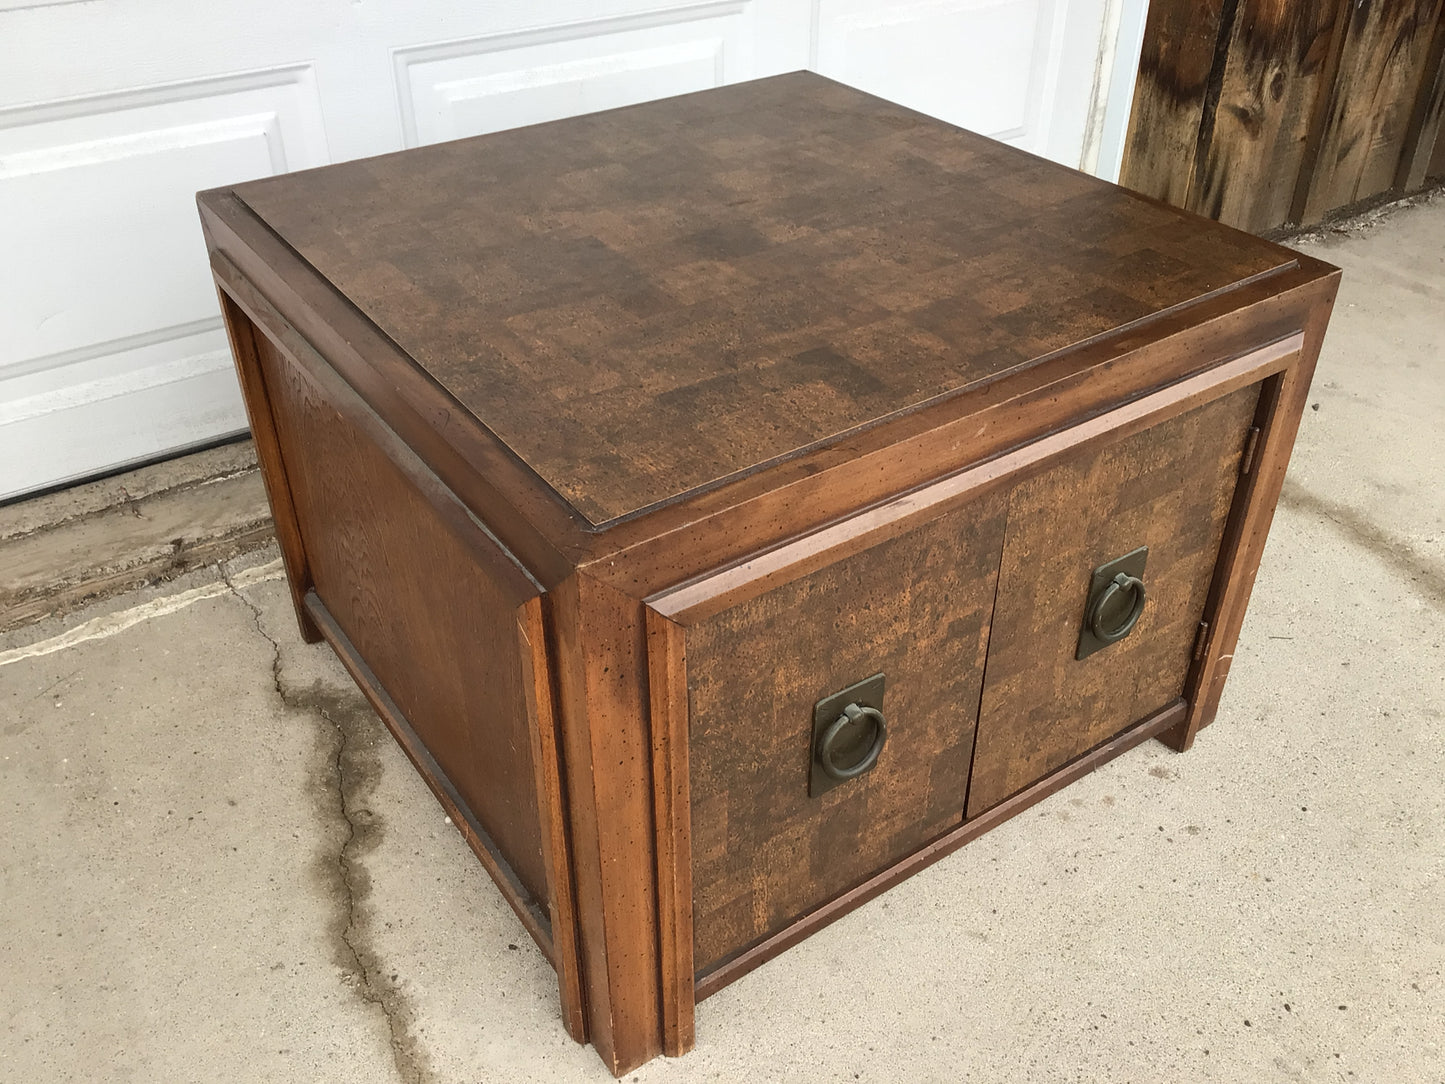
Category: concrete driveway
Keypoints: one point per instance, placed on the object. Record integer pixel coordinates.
(216, 865)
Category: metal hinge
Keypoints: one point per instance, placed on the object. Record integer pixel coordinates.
(1251, 442)
(1199, 638)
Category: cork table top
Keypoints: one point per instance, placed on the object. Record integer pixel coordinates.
(647, 301)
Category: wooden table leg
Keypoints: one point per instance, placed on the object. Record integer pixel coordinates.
(602, 682)
(243, 336)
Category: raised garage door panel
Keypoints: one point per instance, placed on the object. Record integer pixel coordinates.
(1021, 71)
(1169, 488)
(111, 348)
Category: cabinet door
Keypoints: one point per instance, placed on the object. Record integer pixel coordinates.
(914, 608)
(1168, 488)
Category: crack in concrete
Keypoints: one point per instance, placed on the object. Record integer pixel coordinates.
(1427, 577)
(351, 772)
(260, 629)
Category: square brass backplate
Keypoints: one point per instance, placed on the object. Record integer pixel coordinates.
(1131, 563)
(867, 694)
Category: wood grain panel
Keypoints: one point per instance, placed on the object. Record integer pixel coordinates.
(915, 608)
(1423, 138)
(1382, 72)
(1169, 488)
(1307, 108)
(1169, 98)
(1279, 64)
(1436, 168)
(533, 914)
(430, 605)
(644, 302)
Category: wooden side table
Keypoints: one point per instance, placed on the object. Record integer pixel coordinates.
(737, 502)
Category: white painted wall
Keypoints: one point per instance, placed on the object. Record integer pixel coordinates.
(113, 113)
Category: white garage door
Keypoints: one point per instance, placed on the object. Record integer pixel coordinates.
(113, 113)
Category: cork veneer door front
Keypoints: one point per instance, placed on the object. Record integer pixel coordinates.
(914, 608)
(1002, 580)
(1169, 488)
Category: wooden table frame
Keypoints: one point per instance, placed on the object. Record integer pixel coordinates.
(602, 611)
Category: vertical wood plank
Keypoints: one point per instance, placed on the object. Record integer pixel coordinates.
(601, 677)
(1381, 72)
(552, 809)
(1263, 112)
(667, 670)
(241, 334)
(1422, 139)
(1180, 41)
(1323, 106)
(1282, 405)
(1436, 168)
(1277, 70)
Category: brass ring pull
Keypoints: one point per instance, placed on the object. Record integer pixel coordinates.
(1108, 600)
(826, 752)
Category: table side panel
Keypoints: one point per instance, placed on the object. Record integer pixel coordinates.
(434, 617)
(1169, 488)
(914, 607)
(696, 602)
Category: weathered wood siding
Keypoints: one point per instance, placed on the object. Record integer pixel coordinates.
(1262, 113)
(1174, 68)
